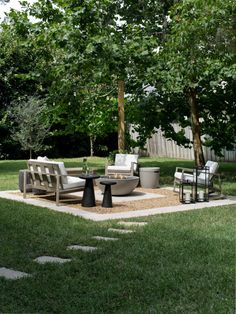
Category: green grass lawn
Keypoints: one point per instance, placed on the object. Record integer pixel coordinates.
(178, 263)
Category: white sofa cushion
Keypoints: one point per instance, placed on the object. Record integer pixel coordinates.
(45, 158)
(213, 166)
(118, 168)
(184, 176)
(64, 178)
(125, 160)
(73, 182)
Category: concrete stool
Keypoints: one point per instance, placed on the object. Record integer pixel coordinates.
(107, 198)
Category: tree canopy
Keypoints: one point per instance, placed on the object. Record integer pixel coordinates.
(194, 75)
(177, 59)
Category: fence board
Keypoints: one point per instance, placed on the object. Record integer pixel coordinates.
(159, 146)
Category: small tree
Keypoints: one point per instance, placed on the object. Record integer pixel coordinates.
(30, 124)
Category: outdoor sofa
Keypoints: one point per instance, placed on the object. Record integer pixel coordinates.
(51, 177)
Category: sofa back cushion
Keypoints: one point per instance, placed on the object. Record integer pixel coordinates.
(126, 160)
(213, 166)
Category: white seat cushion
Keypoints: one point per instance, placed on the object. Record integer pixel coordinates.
(184, 176)
(189, 177)
(73, 182)
(118, 168)
(202, 180)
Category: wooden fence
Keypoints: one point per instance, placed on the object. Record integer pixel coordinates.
(159, 146)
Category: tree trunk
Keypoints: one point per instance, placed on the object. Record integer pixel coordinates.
(195, 125)
(92, 140)
(121, 116)
(30, 153)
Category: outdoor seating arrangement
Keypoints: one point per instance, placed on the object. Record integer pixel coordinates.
(201, 177)
(51, 177)
(126, 164)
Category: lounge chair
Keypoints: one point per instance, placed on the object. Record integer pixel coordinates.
(203, 177)
(125, 164)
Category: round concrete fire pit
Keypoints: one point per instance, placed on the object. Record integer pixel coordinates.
(123, 186)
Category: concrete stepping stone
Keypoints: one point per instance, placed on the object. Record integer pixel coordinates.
(120, 230)
(132, 223)
(104, 238)
(12, 274)
(84, 248)
(51, 259)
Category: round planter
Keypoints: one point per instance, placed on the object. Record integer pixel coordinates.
(149, 177)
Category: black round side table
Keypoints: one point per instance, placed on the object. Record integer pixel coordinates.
(88, 199)
(107, 198)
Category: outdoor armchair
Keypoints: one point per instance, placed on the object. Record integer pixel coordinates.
(125, 164)
(188, 174)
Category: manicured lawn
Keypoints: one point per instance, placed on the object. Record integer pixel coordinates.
(178, 263)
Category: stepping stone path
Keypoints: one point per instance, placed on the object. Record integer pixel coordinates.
(129, 224)
(132, 223)
(120, 230)
(104, 238)
(12, 274)
(51, 259)
(82, 248)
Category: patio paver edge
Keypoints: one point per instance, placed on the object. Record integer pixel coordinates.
(122, 215)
